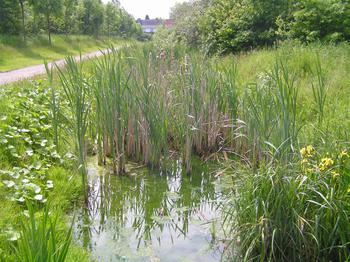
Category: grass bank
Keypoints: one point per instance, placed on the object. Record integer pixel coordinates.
(41, 172)
(294, 205)
(15, 54)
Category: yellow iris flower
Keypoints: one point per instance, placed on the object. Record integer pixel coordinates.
(307, 151)
(326, 163)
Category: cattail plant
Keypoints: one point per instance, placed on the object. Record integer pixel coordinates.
(111, 107)
(148, 102)
(319, 90)
(39, 240)
(152, 107)
(77, 92)
(287, 97)
(270, 114)
(229, 98)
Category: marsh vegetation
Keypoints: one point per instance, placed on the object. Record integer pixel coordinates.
(271, 125)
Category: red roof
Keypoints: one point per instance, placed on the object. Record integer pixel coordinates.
(169, 23)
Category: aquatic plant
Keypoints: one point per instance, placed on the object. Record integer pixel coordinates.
(38, 240)
(319, 90)
(109, 88)
(77, 93)
(291, 213)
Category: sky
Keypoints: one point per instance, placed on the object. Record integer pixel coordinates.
(153, 8)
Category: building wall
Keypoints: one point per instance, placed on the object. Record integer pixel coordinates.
(149, 28)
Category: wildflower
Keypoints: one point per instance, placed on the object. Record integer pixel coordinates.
(335, 174)
(344, 154)
(304, 161)
(326, 163)
(305, 165)
(307, 151)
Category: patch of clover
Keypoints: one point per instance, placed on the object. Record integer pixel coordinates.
(26, 144)
(28, 183)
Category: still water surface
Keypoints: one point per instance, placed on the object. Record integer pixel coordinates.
(150, 216)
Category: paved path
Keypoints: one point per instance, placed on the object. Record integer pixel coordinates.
(31, 71)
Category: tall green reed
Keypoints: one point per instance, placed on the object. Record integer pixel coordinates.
(151, 100)
(285, 213)
(109, 88)
(147, 103)
(39, 240)
(77, 92)
(270, 114)
(319, 90)
(287, 97)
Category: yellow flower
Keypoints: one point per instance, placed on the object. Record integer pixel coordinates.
(326, 163)
(304, 161)
(344, 153)
(335, 174)
(349, 190)
(307, 151)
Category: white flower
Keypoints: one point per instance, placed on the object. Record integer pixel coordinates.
(39, 197)
(21, 199)
(9, 183)
(49, 184)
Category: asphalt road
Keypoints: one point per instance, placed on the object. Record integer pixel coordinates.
(32, 71)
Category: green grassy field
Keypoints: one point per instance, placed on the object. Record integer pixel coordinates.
(14, 54)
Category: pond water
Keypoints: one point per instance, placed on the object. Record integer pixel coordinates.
(150, 216)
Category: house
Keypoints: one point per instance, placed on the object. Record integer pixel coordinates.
(150, 26)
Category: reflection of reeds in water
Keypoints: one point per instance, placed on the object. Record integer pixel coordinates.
(134, 203)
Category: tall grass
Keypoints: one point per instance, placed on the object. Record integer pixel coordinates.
(77, 92)
(282, 213)
(319, 90)
(39, 241)
(111, 106)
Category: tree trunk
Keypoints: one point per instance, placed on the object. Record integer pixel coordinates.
(48, 26)
(23, 26)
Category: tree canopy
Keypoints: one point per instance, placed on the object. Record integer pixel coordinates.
(90, 17)
(233, 25)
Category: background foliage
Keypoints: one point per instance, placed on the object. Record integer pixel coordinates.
(90, 17)
(226, 26)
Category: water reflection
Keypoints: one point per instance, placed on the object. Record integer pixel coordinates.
(150, 216)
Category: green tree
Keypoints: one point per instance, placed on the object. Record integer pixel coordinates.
(237, 25)
(69, 7)
(48, 8)
(9, 22)
(92, 17)
(21, 3)
(109, 18)
(187, 18)
(311, 20)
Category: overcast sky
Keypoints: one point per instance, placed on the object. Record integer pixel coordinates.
(153, 8)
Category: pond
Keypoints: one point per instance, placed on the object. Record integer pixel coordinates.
(150, 215)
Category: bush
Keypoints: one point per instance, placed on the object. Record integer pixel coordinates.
(226, 26)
